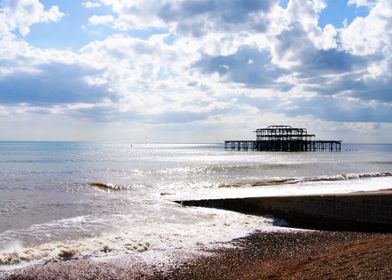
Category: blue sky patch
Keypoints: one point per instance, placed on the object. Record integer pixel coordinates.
(338, 11)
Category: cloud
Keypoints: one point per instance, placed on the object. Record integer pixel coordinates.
(129, 62)
(51, 84)
(293, 49)
(21, 14)
(362, 3)
(340, 109)
(91, 5)
(305, 13)
(332, 60)
(354, 86)
(110, 112)
(248, 66)
(192, 17)
(199, 17)
(371, 34)
(353, 61)
(101, 19)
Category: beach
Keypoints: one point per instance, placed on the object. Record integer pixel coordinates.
(90, 210)
(289, 255)
(316, 255)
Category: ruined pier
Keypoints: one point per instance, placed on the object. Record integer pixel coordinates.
(284, 138)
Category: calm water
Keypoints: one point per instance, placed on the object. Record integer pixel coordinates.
(47, 202)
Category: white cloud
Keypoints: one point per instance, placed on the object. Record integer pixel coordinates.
(305, 12)
(362, 3)
(194, 18)
(91, 5)
(21, 14)
(101, 19)
(136, 14)
(371, 34)
(150, 76)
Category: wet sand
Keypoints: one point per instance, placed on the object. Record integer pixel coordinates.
(283, 255)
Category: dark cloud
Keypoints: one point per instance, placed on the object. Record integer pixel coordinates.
(54, 83)
(197, 17)
(331, 60)
(272, 104)
(310, 60)
(328, 108)
(103, 114)
(248, 66)
(355, 85)
(334, 86)
(375, 89)
(110, 114)
(178, 117)
(332, 71)
(341, 109)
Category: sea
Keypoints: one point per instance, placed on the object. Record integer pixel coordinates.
(61, 200)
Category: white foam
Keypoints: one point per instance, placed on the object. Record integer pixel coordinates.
(197, 229)
(14, 246)
(332, 185)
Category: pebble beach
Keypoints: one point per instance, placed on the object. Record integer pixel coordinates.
(283, 255)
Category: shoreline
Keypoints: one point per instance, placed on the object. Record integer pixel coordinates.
(301, 255)
(261, 255)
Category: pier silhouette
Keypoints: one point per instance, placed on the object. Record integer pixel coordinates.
(284, 138)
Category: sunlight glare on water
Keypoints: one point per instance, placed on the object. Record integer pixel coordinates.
(88, 195)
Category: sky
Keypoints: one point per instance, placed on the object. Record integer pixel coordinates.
(194, 70)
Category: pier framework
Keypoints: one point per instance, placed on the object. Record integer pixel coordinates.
(284, 138)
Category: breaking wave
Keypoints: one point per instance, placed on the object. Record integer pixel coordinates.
(115, 187)
(296, 180)
(275, 181)
(214, 225)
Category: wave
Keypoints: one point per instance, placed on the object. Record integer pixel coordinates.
(114, 187)
(296, 180)
(253, 183)
(387, 162)
(107, 186)
(218, 169)
(138, 236)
